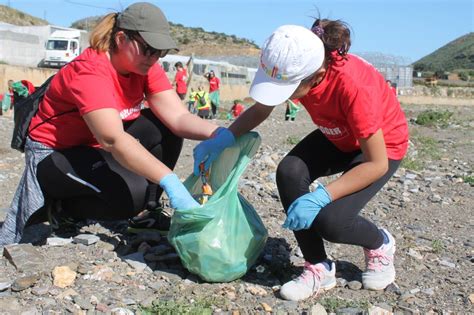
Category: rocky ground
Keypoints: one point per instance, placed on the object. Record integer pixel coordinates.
(427, 206)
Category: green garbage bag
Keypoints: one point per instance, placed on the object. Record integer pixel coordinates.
(6, 102)
(221, 240)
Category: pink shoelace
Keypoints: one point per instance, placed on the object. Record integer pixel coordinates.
(377, 258)
(312, 272)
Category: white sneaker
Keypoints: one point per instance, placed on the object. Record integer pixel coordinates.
(379, 271)
(313, 279)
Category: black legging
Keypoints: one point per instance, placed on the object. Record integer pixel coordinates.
(91, 184)
(339, 221)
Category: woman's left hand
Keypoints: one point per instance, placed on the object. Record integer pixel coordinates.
(304, 210)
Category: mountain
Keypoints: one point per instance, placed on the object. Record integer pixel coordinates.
(239, 51)
(15, 17)
(456, 55)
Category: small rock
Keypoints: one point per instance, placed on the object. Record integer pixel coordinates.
(5, 285)
(58, 241)
(255, 290)
(354, 285)
(63, 276)
(266, 307)
(23, 283)
(121, 311)
(317, 309)
(86, 239)
(375, 310)
(471, 298)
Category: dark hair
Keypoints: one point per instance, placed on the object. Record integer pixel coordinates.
(178, 64)
(335, 35)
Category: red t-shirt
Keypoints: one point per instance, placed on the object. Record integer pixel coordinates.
(237, 109)
(89, 83)
(180, 80)
(214, 84)
(353, 101)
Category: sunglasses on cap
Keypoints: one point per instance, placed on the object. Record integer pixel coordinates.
(147, 50)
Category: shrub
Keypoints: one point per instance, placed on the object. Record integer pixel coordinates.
(292, 140)
(464, 75)
(432, 118)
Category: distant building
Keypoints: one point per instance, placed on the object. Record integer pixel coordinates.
(228, 73)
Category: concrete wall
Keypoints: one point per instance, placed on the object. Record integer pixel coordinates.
(39, 75)
(20, 49)
(16, 73)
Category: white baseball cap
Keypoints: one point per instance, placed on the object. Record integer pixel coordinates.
(292, 53)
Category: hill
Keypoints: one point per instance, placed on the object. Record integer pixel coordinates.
(15, 17)
(456, 55)
(202, 43)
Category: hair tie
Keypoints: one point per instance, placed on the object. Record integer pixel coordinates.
(318, 30)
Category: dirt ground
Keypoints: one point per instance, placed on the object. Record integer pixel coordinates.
(427, 206)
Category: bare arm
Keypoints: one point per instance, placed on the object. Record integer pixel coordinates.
(106, 125)
(375, 165)
(168, 108)
(250, 119)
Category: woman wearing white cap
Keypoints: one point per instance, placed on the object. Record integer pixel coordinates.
(362, 133)
(92, 152)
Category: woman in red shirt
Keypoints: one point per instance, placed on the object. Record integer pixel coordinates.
(93, 151)
(214, 94)
(180, 80)
(362, 132)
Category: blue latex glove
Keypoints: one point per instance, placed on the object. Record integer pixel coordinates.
(304, 210)
(179, 196)
(208, 150)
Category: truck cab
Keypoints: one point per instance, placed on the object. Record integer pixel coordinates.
(62, 47)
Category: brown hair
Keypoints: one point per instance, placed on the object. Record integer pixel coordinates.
(102, 37)
(335, 35)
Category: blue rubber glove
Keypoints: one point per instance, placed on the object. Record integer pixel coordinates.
(304, 210)
(179, 196)
(208, 150)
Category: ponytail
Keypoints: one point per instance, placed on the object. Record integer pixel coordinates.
(335, 35)
(102, 37)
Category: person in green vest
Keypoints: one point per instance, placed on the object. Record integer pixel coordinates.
(203, 103)
(192, 101)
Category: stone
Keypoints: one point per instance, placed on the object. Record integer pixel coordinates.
(25, 257)
(58, 241)
(86, 239)
(375, 310)
(354, 285)
(266, 307)
(136, 261)
(317, 309)
(23, 283)
(63, 276)
(4, 285)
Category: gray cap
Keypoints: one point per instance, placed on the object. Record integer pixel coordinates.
(151, 24)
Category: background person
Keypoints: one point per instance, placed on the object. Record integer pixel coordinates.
(92, 153)
(180, 80)
(362, 133)
(203, 103)
(214, 93)
(237, 108)
(192, 101)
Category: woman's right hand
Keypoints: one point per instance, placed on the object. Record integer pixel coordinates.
(179, 196)
(208, 150)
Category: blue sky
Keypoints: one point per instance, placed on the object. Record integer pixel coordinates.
(406, 28)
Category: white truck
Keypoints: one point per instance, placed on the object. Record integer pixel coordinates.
(63, 46)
